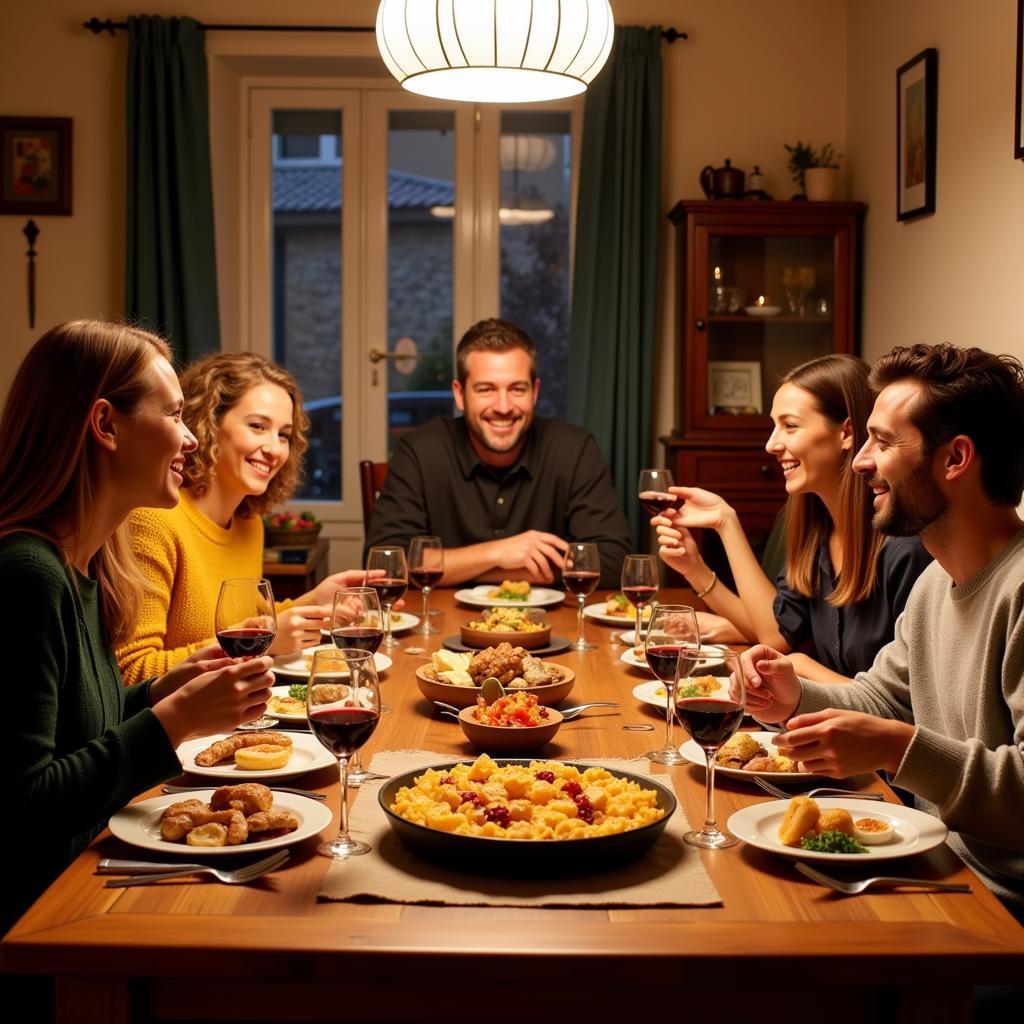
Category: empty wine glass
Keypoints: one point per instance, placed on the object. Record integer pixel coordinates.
(710, 709)
(426, 567)
(343, 709)
(245, 621)
(356, 622)
(581, 569)
(671, 626)
(652, 489)
(640, 586)
(391, 586)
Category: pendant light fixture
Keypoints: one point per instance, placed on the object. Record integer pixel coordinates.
(495, 51)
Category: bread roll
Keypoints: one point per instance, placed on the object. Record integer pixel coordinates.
(836, 819)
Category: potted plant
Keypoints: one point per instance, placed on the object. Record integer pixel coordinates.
(815, 171)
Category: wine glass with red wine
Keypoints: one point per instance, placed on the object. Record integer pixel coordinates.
(710, 709)
(343, 709)
(581, 570)
(391, 580)
(653, 491)
(245, 621)
(640, 586)
(671, 626)
(426, 567)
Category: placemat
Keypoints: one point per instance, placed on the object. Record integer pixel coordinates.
(669, 875)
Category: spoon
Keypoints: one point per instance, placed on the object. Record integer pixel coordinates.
(567, 715)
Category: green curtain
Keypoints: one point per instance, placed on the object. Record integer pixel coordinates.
(171, 273)
(611, 349)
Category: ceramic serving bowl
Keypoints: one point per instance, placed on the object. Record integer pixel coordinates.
(465, 696)
(529, 641)
(504, 739)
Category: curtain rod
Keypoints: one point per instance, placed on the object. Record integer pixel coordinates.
(95, 26)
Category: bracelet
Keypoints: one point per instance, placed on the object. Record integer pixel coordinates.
(710, 586)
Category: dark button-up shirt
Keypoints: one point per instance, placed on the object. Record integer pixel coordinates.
(847, 639)
(560, 484)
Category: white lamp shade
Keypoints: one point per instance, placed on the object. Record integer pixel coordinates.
(495, 51)
(526, 153)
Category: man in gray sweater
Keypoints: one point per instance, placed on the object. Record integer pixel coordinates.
(942, 707)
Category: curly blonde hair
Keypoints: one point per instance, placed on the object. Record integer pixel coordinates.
(214, 385)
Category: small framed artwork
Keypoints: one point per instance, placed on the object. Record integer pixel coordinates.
(1018, 132)
(35, 174)
(734, 388)
(917, 95)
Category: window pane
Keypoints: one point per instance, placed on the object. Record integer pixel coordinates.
(421, 210)
(307, 281)
(536, 187)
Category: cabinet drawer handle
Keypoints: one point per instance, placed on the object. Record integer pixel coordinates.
(766, 471)
(700, 325)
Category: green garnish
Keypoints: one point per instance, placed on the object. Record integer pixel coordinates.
(832, 842)
(620, 600)
(689, 691)
(297, 690)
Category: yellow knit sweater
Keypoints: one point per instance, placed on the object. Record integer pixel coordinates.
(185, 556)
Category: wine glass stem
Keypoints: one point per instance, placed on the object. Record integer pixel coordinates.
(639, 638)
(579, 622)
(426, 603)
(710, 825)
(343, 809)
(670, 741)
(387, 623)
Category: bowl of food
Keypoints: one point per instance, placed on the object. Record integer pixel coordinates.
(291, 529)
(515, 722)
(516, 625)
(523, 816)
(455, 678)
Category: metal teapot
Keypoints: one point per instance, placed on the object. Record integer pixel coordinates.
(722, 182)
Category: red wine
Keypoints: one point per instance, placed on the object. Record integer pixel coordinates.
(657, 502)
(639, 596)
(389, 589)
(365, 638)
(425, 577)
(245, 643)
(662, 659)
(343, 730)
(709, 722)
(580, 582)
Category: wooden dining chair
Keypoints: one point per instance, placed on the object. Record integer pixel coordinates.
(371, 479)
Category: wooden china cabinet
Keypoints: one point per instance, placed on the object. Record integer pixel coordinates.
(763, 287)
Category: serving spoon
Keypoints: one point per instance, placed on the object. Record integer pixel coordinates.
(567, 715)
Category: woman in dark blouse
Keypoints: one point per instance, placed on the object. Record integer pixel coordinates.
(843, 584)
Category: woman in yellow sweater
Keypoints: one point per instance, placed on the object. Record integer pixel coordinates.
(247, 415)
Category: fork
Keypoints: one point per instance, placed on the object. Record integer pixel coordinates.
(239, 876)
(820, 791)
(312, 794)
(853, 888)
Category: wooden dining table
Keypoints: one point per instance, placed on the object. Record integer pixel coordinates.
(778, 947)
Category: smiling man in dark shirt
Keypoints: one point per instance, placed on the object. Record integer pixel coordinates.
(504, 490)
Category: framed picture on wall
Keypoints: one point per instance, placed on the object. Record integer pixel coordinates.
(917, 94)
(35, 165)
(734, 388)
(1018, 133)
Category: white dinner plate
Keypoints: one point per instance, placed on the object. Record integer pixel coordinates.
(647, 693)
(629, 658)
(285, 716)
(295, 666)
(139, 825)
(695, 755)
(916, 831)
(400, 623)
(598, 614)
(308, 754)
(540, 597)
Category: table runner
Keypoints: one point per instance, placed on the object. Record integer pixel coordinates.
(669, 875)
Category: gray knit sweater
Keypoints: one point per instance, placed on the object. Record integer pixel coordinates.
(955, 669)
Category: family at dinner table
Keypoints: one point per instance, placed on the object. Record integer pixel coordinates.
(892, 639)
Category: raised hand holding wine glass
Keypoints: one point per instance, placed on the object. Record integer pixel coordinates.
(652, 489)
(640, 586)
(391, 586)
(710, 718)
(343, 709)
(581, 570)
(245, 621)
(671, 626)
(426, 567)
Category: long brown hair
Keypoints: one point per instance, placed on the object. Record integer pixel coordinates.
(214, 385)
(839, 386)
(48, 459)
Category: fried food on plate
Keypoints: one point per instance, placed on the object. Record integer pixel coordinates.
(224, 750)
(263, 757)
(740, 748)
(249, 797)
(801, 817)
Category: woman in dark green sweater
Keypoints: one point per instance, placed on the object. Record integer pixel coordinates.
(92, 429)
